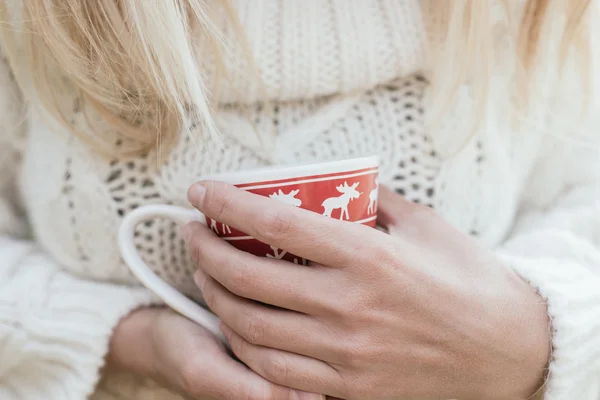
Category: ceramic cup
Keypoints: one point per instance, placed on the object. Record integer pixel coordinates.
(345, 190)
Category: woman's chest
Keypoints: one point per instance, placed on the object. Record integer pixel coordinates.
(76, 200)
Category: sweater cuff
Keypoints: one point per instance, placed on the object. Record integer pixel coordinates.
(572, 293)
(55, 349)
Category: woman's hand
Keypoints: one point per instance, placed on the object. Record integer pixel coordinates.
(160, 344)
(421, 313)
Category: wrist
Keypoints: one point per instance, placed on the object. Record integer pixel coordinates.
(525, 335)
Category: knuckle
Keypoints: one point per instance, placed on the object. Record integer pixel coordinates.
(209, 259)
(352, 354)
(240, 278)
(348, 388)
(275, 223)
(254, 326)
(358, 385)
(364, 387)
(276, 368)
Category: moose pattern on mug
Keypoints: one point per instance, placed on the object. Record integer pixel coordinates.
(373, 196)
(348, 193)
(348, 196)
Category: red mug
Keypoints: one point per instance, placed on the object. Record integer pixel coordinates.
(346, 190)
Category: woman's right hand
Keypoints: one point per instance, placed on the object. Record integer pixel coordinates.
(171, 349)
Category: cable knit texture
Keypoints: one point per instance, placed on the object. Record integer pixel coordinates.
(346, 80)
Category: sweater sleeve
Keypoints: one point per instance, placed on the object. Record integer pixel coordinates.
(556, 248)
(54, 327)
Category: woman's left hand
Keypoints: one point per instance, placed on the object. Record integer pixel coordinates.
(422, 312)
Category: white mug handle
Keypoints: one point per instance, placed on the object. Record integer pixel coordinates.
(152, 281)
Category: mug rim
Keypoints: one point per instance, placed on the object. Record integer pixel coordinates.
(274, 173)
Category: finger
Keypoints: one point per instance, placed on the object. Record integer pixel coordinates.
(393, 210)
(222, 378)
(270, 281)
(415, 223)
(287, 369)
(301, 232)
(192, 360)
(267, 326)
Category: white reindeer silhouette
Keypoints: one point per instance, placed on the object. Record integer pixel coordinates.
(333, 203)
(373, 195)
(278, 254)
(289, 198)
(213, 225)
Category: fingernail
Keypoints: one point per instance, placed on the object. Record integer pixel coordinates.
(196, 193)
(187, 231)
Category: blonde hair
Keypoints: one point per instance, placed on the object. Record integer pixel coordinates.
(134, 63)
(541, 35)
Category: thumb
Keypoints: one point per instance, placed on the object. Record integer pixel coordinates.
(411, 221)
(191, 359)
(393, 209)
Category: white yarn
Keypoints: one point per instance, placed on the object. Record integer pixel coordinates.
(340, 91)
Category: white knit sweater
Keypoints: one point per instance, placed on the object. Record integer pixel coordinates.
(345, 78)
